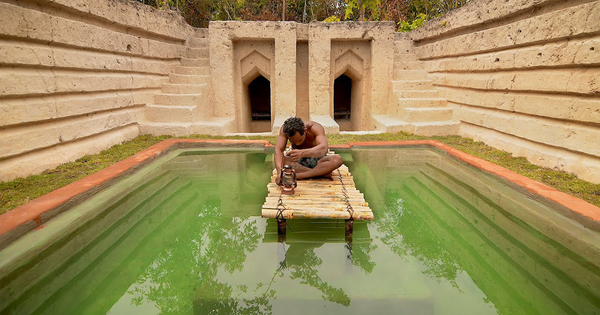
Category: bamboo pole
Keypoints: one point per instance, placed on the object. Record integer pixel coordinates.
(341, 215)
(318, 199)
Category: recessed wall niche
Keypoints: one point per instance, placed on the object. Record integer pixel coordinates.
(253, 73)
(350, 78)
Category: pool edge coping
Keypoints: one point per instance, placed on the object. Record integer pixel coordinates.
(576, 205)
(31, 212)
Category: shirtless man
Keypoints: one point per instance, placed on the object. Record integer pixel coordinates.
(309, 149)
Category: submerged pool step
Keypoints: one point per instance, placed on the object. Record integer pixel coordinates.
(508, 258)
(82, 247)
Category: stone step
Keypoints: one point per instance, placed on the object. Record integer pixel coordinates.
(198, 62)
(386, 123)
(201, 32)
(198, 42)
(401, 74)
(171, 88)
(421, 102)
(417, 93)
(405, 57)
(165, 128)
(403, 47)
(161, 113)
(401, 36)
(409, 65)
(426, 114)
(412, 85)
(441, 128)
(213, 126)
(187, 79)
(191, 70)
(195, 53)
(177, 99)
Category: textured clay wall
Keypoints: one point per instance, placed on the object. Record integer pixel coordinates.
(75, 75)
(301, 62)
(522, 76)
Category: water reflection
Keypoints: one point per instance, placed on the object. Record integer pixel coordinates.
(183, 222)
(408, 233)
(189, 239)
(300, 263)
(524, 256)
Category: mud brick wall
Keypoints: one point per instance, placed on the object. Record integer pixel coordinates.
(522, 76)
(75, 75)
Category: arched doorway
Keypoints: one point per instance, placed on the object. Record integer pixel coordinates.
(259, 94)
(342, 101)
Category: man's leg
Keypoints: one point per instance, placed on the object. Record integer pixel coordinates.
(325, 166)
(299, 168)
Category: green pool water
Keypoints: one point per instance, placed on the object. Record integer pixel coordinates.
(184, 236)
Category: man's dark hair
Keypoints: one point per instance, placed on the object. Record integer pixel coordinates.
(293, 125)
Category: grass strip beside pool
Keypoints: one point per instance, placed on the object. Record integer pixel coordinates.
(23, 190)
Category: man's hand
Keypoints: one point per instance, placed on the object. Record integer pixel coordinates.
(278, 179)
(294, 155)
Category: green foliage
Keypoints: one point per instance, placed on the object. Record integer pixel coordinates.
(369, 9)
(332, 19)
(405, 26)
(200, 12)
(430, 8)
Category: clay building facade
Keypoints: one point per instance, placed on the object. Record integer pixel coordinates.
(302, 64)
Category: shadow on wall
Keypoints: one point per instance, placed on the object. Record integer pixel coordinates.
(342, 102)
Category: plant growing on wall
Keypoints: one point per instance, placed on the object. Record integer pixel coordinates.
(405, 26)
(419, 11)
(332, 19)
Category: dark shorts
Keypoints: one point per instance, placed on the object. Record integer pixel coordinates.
(309, 162)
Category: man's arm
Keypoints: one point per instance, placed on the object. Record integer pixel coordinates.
(279, 148)
(320, 149)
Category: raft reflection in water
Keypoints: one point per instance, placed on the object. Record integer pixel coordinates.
(186, 236)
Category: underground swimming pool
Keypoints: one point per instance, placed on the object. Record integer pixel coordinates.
(183, 235)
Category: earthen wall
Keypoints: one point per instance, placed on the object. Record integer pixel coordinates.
(75, 75)
(522, 76)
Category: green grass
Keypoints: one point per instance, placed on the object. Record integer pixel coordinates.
(22, 190)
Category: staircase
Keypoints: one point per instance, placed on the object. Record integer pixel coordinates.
(415, 105)
(182, 107)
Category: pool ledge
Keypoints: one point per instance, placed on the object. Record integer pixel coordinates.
(33, 215)
(578, 207)
(30, 216)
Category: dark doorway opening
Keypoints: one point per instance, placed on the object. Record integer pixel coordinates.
(342, 98)
(259, 91)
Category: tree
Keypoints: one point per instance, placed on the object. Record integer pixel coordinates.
(200, 12)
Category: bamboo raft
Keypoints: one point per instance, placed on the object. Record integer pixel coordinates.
(318, 198)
